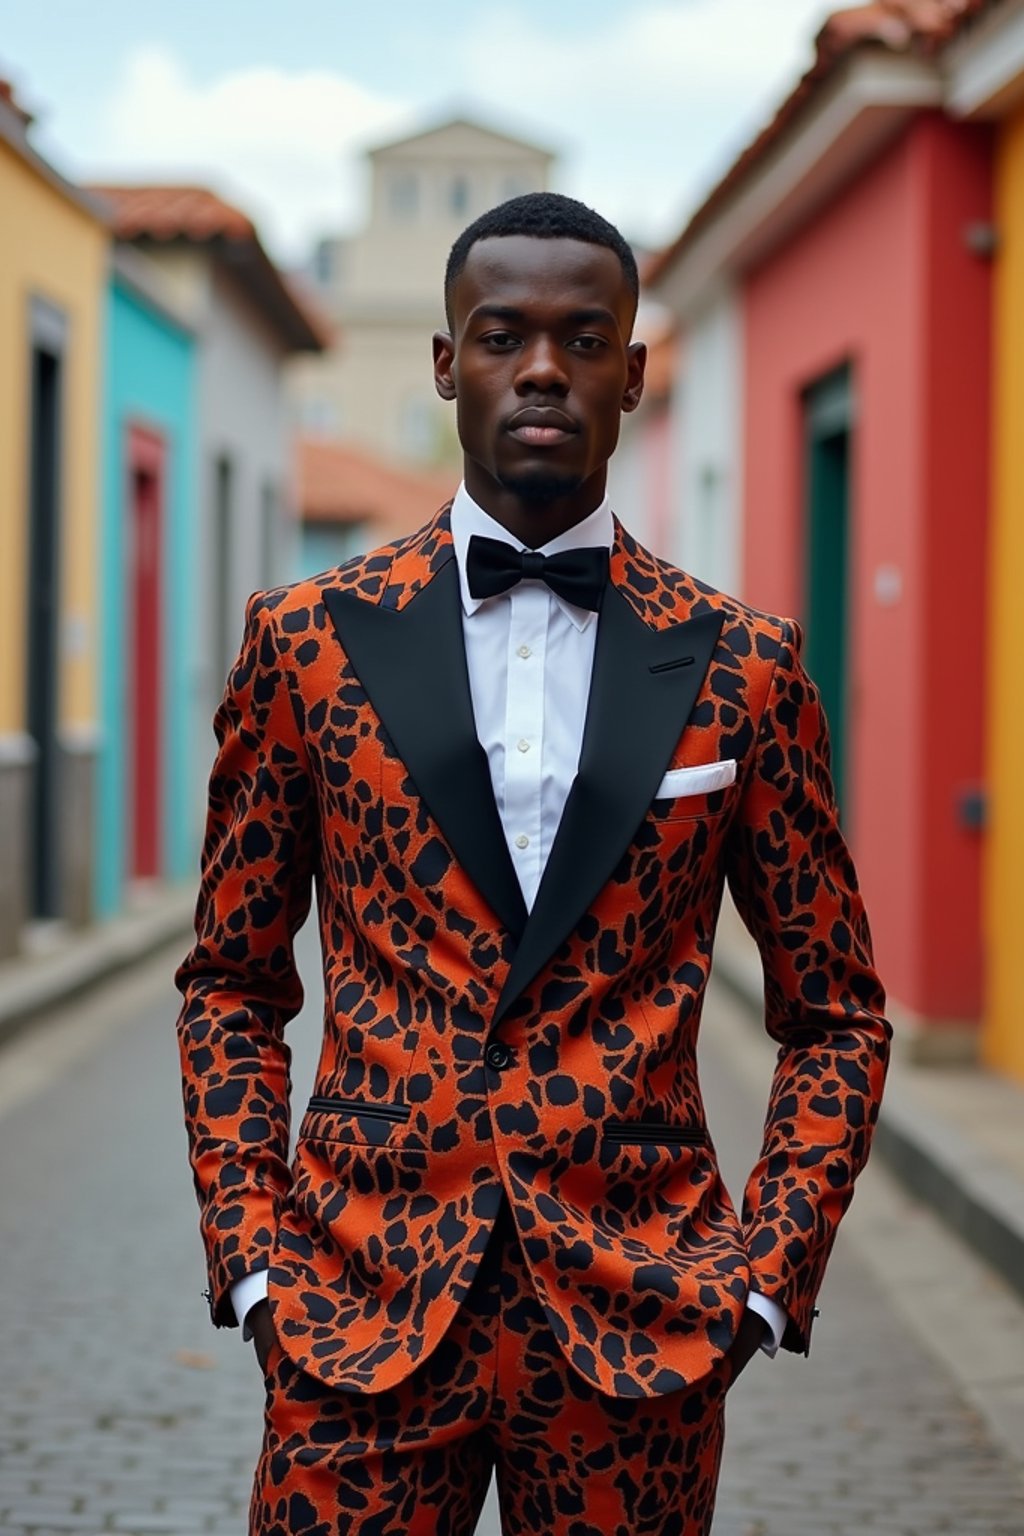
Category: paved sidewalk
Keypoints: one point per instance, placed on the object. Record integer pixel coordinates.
(61, 963)
(953, 1134)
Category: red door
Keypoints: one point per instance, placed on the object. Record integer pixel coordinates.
(144, 659)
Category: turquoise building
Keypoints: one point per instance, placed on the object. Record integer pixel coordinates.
(146, 785)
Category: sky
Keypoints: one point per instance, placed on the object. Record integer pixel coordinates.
(646, 102)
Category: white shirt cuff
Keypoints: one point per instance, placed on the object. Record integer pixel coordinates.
(773, 1314)
(244, 1296)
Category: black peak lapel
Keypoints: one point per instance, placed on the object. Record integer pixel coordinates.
(412, 663)
(644, 686)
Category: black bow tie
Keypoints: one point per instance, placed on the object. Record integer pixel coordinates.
(577, 575)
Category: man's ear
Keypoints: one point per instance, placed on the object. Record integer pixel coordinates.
(444, 359)
(636, 363)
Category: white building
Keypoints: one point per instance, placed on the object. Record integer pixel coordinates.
(383, 288)
(708, 434)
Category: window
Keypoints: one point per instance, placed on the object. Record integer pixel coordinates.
(404, 194)
(458, 196)
(323, 266)
(222, 620)
(268, 533)
(706, 529)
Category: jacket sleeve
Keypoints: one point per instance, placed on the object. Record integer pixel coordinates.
(239, 982)
(794, 884)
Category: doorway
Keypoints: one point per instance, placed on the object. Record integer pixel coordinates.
(42, 667)
(146, 457)
(828, 430)
(222, 619)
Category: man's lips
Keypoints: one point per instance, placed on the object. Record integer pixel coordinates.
(542, 426)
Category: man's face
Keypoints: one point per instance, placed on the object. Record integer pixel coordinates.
(540, 365)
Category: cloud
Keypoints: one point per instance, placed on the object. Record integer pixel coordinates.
(284, 144)
(655, 50)
(655, 105)
(649, 108)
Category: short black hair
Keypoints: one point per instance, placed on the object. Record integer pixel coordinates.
(545, 216)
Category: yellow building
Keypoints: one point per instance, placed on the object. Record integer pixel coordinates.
(986, 81)
(1004, 1031)
(53, 260)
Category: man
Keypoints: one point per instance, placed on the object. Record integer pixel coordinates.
(520, 756)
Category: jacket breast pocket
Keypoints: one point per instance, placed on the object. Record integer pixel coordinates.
(687, 794)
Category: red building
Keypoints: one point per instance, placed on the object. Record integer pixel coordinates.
(857, 233)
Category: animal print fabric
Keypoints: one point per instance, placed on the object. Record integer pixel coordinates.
(591, 1123)
(416, 1459)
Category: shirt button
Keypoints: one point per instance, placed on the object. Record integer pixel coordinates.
(523, 651)
(498, 1055)
(524, 745)
(522, 841)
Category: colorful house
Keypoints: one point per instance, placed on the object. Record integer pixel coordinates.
(144, 811)
(52, 279)
(845, 263)
(985, 73)
(242, 529)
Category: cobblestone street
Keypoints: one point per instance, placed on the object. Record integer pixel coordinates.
(121, 1410)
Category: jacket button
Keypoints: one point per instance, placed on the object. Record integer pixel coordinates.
(498, 1055)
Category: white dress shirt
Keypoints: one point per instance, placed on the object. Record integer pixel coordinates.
(530, 655)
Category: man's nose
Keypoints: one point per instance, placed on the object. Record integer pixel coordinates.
(542, 369)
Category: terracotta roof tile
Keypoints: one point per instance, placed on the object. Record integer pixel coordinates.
(166, 213)
(922, 27)
(339, 483)
(174, 213)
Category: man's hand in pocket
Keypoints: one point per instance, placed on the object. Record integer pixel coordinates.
(749, 1338)
(264, 1334)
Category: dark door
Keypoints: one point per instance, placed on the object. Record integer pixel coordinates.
(145, 669)
(43, 655)
(223, 623)
(828, 430)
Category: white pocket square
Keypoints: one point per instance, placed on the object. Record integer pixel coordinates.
(697, 781)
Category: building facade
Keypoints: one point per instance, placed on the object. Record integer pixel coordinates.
(383, 289)
(249, 321)
(708, 443)
(144, 814)
(851, 245)
(985, 72)
(866, 465)
(53, 262)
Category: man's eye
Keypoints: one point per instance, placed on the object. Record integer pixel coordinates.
(588, 343)
(500, 340)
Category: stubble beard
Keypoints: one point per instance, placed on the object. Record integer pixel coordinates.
(541, 489)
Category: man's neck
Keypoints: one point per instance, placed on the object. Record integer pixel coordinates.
(534, 523)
